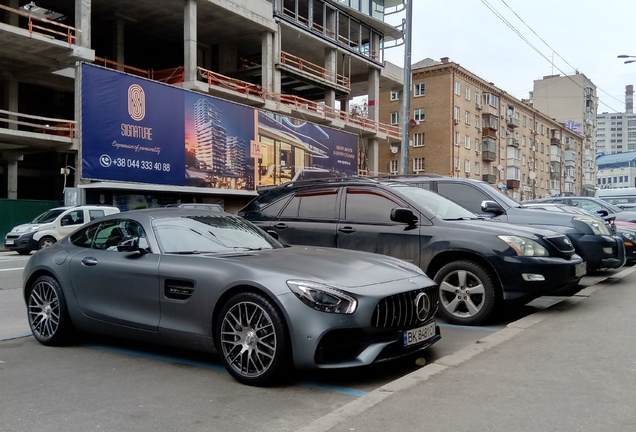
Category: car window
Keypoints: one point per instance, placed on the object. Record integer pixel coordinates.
(94, 214)
(48, 216)
(590, 206)
(369, 205)
(210, 233)
(108, 234)
(314, 204)
(464, 195)
(75, 217)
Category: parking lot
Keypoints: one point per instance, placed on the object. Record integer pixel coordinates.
(114, 385)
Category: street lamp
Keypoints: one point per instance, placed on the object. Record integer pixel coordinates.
(628, 56)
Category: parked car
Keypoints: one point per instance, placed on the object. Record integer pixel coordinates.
(215, 282)
(624, 230)
(591, 204)
(477, 263)
(51, 226)
(624, 197)
(592, 240)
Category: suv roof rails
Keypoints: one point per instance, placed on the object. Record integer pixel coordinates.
(399, 176)
(322, 180)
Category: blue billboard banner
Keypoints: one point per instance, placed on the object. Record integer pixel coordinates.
(138, 130)
(132, 129)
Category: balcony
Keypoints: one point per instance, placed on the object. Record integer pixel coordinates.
(512, 121)
(488, 156)
(512, 183)
(555, 153)
(513, 142)
(513, 162)
(555, 141)
(570, 158)
(489, 178)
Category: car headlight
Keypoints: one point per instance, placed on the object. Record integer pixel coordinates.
(629, 236)
(524, 246)
(33, 228)
(597, 226)
(323, 297)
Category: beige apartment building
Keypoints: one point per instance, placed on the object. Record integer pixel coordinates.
(462, 125)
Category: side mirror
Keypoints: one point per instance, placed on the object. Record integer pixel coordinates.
(403, 215)
(602, 212)
(488, 206)
(66, 220)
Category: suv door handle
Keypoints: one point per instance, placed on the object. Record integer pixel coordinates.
(347, 229)
(280, 226)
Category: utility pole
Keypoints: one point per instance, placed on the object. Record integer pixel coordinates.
(406, 91)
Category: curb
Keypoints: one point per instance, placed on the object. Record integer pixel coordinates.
(378, 395)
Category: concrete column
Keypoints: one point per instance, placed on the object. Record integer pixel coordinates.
(372, 156)
(12, 174)
(119, 46)
(83, 23)
(13, 17)
(268, 56)
(12, 102)
(331, 67)
(190, 40)
(374, 94)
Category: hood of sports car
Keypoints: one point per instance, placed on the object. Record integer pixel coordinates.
(346, 267)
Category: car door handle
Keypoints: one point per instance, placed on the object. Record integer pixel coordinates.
(89, 261)
(280, 226)
(347, 229)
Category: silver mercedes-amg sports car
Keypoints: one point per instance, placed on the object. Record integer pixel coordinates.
(212, 281)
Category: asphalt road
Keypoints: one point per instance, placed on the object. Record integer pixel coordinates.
(105, 384)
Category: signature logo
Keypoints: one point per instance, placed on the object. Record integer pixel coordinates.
(136, 102)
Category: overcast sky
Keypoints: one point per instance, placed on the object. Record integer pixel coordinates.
(547, 37)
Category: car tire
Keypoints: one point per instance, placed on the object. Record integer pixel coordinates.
(468, 293)
(47, 312)
(45, 242)
(252, 339)
(23, 252)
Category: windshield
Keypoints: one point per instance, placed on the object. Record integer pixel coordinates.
(48, 216)
(435, 204)
(210, 234)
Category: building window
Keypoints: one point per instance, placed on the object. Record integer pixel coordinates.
(477, 99)
(395, 95)
(395, 117)
(457, 138)
(491, 99)
(467, 117)
(418, 140)
(458, 88)
(393, 166)
(419, 114)
(457, 114)
(477, 168)
(467, 141)
(467, 93)
(418, 165)
(419, 89)
(456, 163)
(466, 166)
(477, 149)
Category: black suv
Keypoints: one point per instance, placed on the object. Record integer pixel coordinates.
(591, 238)
(477, 263)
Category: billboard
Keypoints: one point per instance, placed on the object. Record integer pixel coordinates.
(142, 131)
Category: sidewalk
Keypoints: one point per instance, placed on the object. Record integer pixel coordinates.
(569, 368)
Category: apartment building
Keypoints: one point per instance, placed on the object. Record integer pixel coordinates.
(463, 125)
(572, 100)
(616, 132)
(295, 63)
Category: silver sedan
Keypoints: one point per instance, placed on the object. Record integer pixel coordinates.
(214, 282)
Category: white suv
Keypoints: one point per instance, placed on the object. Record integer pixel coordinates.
(52, 225)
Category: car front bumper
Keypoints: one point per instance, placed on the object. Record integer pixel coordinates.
(532, 277)
(599, 251)
(20, 241)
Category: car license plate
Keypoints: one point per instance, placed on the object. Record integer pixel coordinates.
(420, 334)
(580, 270)
(8, 242)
